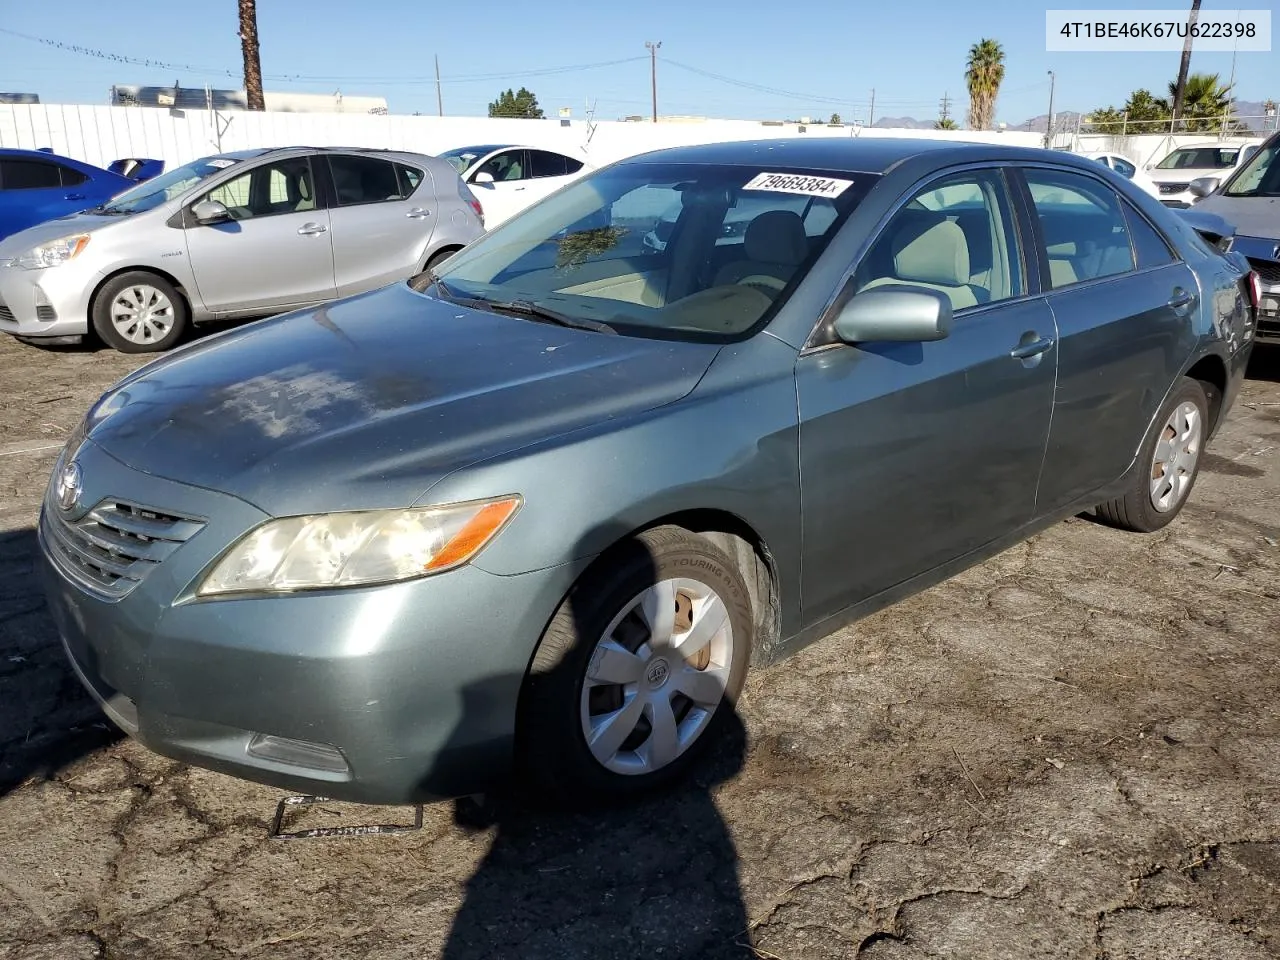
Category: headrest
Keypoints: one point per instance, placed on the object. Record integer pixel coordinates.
(776, 237)
(931, 250)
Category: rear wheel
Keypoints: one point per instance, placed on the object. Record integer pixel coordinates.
(1171, 455)
(139, 312)
(639, 669)
(437, 258)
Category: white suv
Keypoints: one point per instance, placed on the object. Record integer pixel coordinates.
(1173, 174)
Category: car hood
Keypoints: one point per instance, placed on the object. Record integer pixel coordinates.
(49, 230)
(1187, 174)
(367, 402)
(1251, 216)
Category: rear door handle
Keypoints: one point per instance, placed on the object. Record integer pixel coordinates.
(311, 229)
(1033, 349)
(417, 213)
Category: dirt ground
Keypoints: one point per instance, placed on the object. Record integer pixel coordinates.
(1070, 751)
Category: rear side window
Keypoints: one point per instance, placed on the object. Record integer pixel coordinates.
(1085, 232)
(409, 178)
(1150, 247)
(543, 163)
(359, 180)
(29, 175)
(1124, 167)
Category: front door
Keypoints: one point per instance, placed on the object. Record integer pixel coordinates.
(274, 253)
(913, 454)
(508, 191)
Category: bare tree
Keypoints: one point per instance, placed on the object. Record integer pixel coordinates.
(252, 59)
(1180, 89)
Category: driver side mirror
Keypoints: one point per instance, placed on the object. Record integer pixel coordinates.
(897, 313)
(1203, 186)
(483, 177)
(210, 211)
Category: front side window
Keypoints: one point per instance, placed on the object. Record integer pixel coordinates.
(273, 188)
(957, 237)
(505, 166)
(639, 247)
(29, 175)
(1260, 176)
(359, 180)
(1085, 232)
(159, 190)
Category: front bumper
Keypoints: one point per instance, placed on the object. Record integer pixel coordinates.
(46, 304)
(415, 684)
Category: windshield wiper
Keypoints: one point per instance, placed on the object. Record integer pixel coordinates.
(527, 308)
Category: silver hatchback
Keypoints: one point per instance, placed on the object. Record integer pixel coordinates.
(236, 235)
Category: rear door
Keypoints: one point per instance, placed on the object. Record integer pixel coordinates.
(383, 216)
(33, 191)
(1124, 306)
(914, 454)
(548, 172)
(274, 253)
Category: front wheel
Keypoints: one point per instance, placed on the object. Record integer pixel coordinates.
(139, 312)
(1169, 464)
(639, 669)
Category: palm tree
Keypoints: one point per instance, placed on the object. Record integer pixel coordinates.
(1205, 102)
(945, 123)
(1177, 91)
(252, 60)
(984, 74)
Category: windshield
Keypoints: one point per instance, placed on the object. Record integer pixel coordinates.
(463, 157)
(1211, 158)
(159, 190)
(1260, 176)
(672, 251)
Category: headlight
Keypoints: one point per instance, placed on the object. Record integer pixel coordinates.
(55, 252)
(348, 549)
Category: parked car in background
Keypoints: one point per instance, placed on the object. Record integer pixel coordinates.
(507, 178)
(236, 235)
(1249, 199)
(1174, 173)
(548, 509)
(1126, 168)
(39, 185)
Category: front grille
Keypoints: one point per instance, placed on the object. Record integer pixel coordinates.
(46, 313)
(1268, 270)
(1174, 187)
(112, 548)
(6, 314)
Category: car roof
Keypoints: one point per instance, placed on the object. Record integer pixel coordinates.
(17, 153)
(876, 155)
(480, 149)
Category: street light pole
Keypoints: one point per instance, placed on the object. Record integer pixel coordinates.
(1048, 128)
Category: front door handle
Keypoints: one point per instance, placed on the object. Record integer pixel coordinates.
(311, 229)
(417, 213)
(74, 196)
(1026, 351)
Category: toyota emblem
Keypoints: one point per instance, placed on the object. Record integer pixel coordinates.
(68, 486)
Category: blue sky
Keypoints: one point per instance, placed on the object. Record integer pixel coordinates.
(830, 53)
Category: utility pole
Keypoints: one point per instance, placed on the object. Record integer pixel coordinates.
(871, 114)
(945, 109)
(1048, 129)
(439, 95)
(653, 73)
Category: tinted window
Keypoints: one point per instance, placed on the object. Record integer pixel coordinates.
(1123, 166)
(410, 177)
(545, 164)
(282, 187)
(71, 178)
(571, 165)
(1150, 247)
(363, 180)
(957, 237)
(507, 165)
(1084, 229)
(28, 175)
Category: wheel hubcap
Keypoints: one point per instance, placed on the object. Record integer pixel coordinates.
(142, 314)
(1177, 451)
(656, 676)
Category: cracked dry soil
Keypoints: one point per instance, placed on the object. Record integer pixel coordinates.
(1070, 751)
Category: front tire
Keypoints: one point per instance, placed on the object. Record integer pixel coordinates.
(638, 671)
(139, 312)
(1169, 463)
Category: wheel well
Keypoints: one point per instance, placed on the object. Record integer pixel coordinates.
(751, 554)
(450, 249)
(170, 278)
(1211, 373)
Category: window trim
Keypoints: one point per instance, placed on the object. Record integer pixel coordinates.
(333, 195)
(190, 221)
(1043, 249)
(818, 340)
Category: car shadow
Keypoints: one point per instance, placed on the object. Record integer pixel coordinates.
(653, 876)
(1264, 364)
(47, 720)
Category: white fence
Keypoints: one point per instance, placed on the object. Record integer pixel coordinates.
(100, 134)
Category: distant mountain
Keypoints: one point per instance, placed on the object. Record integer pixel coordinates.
(1251, 110)
(904, 123)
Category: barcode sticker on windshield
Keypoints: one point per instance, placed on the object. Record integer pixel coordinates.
(806, 186)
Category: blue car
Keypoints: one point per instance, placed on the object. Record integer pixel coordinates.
(36, 186)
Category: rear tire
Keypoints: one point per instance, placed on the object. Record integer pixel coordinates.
(139, 312)
(615, 662)
(437, 258)
(1168, 464)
